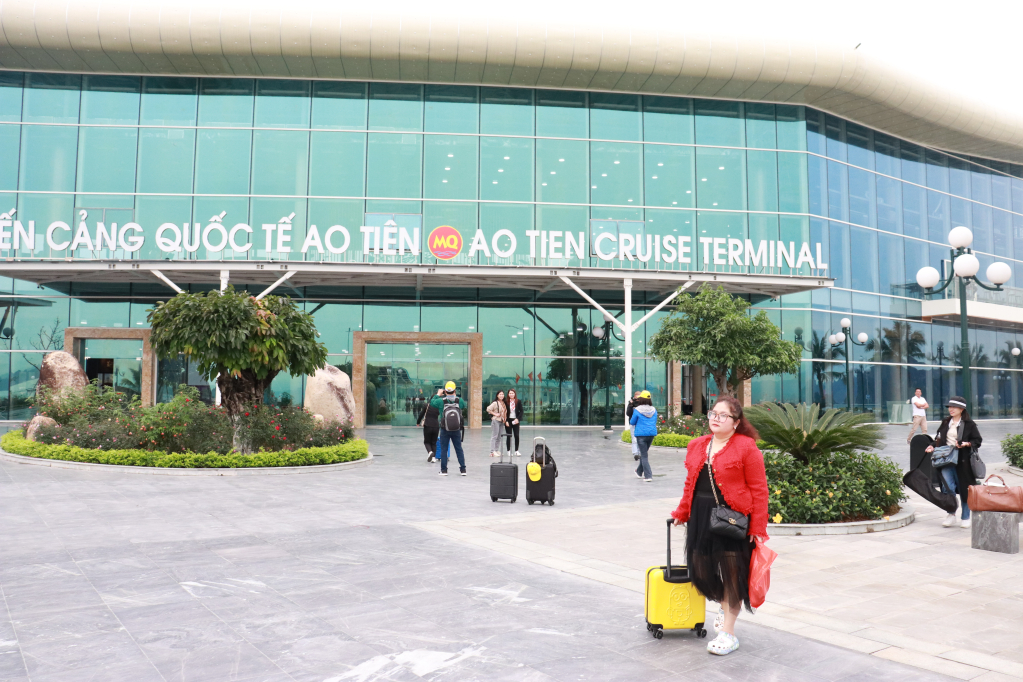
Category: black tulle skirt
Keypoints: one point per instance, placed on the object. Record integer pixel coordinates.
(718, 566)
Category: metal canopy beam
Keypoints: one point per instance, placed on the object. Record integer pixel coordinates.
(397, 275)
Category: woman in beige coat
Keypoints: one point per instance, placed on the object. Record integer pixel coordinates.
(498, 412)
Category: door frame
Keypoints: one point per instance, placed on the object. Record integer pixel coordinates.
(473, 339)
(74, 337)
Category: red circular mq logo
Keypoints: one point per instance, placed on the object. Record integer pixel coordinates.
(445, 242)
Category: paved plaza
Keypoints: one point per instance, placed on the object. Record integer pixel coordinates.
(390, 572)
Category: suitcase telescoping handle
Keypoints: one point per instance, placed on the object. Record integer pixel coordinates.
(541, 438)
(668, 570)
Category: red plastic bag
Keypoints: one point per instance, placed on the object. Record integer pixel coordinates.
(760, 574)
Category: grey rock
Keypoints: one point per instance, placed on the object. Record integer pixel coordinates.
(995, 532)
(38, 422)
(328, 393)
(60, 372)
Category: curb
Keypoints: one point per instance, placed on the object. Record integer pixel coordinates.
(1015, 470)
(905, 517)
(170, 471)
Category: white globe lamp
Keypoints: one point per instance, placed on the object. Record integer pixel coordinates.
(846, 323)
(960, 237)
(840, 337)
(598, 332)
(999, 272)
(966, 265)
(832, 340)
(1015, 351)
(927, 277)
(862, 337)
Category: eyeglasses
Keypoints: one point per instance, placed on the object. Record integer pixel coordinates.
(719, 416)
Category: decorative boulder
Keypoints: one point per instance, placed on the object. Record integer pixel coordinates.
(38, 421)
(60, 371)
(329, 393)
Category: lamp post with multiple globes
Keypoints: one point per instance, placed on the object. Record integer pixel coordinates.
(964, 268)
(600, 332)
(845, 337)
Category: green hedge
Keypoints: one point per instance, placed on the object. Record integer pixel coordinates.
(16, 443)
(1012, 448)
(674, 440)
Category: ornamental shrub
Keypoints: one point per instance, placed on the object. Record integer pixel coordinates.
(1012, 448)
(841, 486)
(349, 451)
(674, 440)
(272, 427)
(684, 424)
(91, 404)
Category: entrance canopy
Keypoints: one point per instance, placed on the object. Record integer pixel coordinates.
(300, 274)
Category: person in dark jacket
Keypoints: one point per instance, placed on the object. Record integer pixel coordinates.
(644, 428)
(429, 417)
(513, 412)
(629, 407)
(959, 431)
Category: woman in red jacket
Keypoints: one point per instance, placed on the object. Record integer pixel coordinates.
(729, 464)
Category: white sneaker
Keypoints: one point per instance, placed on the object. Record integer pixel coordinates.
(443, 473)
(639, 475)
(648, 480)
(723, 644)
(495, 454)
(518, 454)
(949, 521)
(967, 523)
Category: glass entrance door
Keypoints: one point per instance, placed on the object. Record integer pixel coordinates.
(114, 364)
(402, 377)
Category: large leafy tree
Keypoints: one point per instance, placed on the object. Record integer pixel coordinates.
(713, 329)
(238, 340)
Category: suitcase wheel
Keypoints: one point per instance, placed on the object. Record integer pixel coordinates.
(649, 627)
(513, 500)
(493, 499)
(529, 500)
(658, 633)
(702, 633)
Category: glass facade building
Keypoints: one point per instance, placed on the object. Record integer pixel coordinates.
(688, 177)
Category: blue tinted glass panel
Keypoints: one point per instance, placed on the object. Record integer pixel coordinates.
(110, 99)
(506, 168)
(980, 184)
(961, 212)
(937, 170)
(517, 219)
(721, 178)
(616, 173)
(860, 142)
(760, 127)
(865, 275)
(793, 183)
(670, 172)
(938, 217)
(49, 156)
(891, 266)
(225, 102)
(390, 151)
(222, 161)
(762, 174)
(280, 161)
(106, 159)
(913, 164)
(11, 92)
(982, 240)
(889, 204)
(839, 254)
(1002, 232)
(615, 117)
(959, 177)
(339, 105)
(914, 211)
(451, 169)
(668, 119)
(816, 143)
(1000, 191)
(817, 169)
(337, 163)
(838, 190)
(886, 155)
(791, 127)
(52, 98)
(395, 106)
(564, 219)
(561, 171)
(169, 101)
(834, 130)
(561, 114)
(452, 109)
(711, 225)
(165, 160)
(719, 123)
(10, 146)
(506, 111)
(282, 104)
(862, 197)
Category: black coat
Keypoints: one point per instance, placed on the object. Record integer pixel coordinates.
(517, 414)
(429, 417)
(968, 433)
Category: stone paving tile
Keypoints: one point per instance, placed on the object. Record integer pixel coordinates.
(341, 577)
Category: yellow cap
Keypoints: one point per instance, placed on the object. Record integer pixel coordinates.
(533, 471)
(449, 387)
(644, 394)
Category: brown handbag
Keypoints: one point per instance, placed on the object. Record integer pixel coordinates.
(994, 498)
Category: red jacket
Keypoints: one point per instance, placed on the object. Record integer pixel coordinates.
(739, 474)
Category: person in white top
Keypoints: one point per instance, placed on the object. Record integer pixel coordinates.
(919, 414)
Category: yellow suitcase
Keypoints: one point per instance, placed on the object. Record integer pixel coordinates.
(672, 602)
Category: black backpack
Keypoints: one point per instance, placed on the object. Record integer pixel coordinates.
(451, 419)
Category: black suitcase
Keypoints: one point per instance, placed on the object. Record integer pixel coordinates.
(504, 478)
(542, 490)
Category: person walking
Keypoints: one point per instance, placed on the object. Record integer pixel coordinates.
(498, 412)
(452, 421)
(723, 468)
(644, 428)
(514, 419)
(629, 407)
(429, 417)
(959, 431)
(919, 414)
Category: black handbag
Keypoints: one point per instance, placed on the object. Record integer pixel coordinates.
(724, 520)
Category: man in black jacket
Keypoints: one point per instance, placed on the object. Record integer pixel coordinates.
(429, 417)
(629, 406)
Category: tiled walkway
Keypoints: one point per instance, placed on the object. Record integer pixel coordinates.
(349, 576)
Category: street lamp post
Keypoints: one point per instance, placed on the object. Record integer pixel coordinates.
(964, 268)
(940, 355)
(844, 337)
(798, 331)
(606, 331)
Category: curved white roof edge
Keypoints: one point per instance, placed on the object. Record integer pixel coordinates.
(335, 41)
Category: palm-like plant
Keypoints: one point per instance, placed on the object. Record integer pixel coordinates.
(806, 434)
